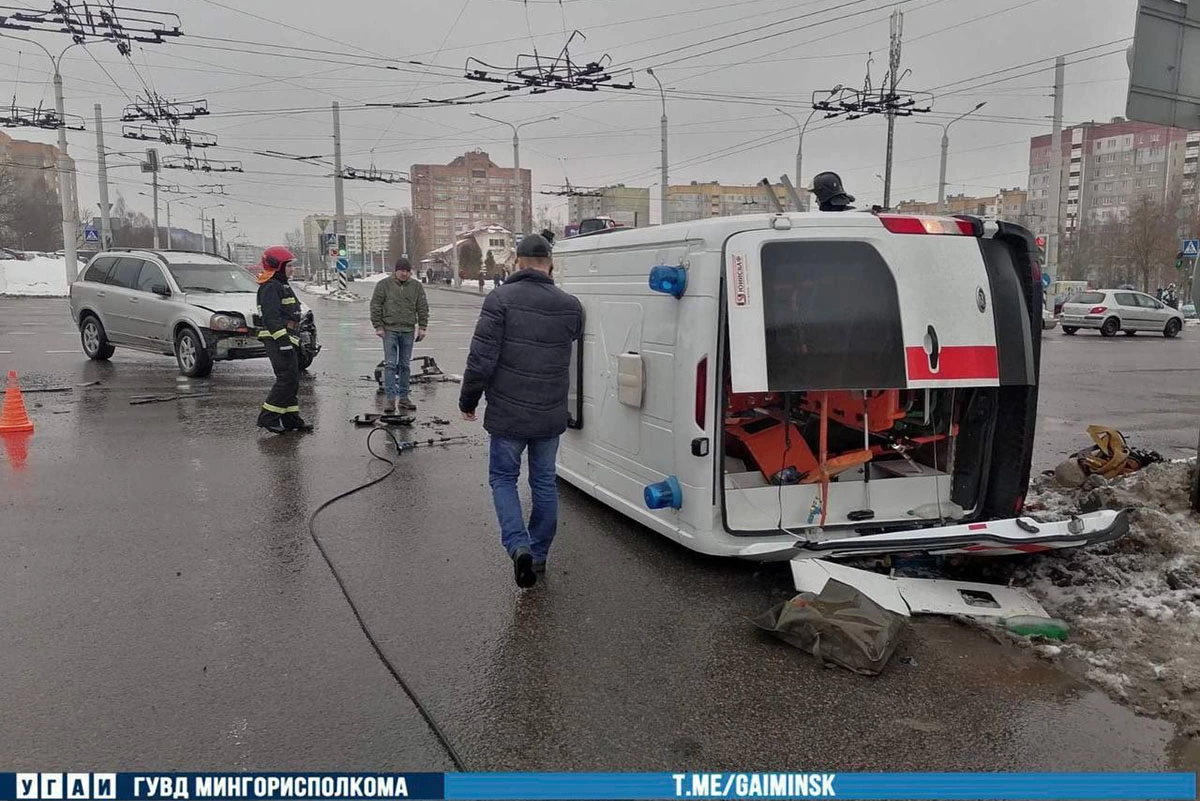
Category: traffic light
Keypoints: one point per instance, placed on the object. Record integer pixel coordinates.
(341, 246)
(1041, 248)
(1179, 260)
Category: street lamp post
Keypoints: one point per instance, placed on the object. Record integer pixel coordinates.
(800, 150)
(665, 186)
(203, 209)
(168, 203)
(520, 201)
(362, 240)
(945, 151)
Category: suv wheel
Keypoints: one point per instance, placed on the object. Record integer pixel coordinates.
(95, 341)
(1110, 328)
(1172, 329)
(194, 361)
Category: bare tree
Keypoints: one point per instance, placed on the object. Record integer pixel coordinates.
(1149, 242)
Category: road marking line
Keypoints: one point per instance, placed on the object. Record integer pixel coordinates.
(25, 333)
(5, 351)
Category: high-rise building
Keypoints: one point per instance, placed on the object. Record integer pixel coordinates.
(370, 228)
(468, 193)
(31, 161)
(1106, 169)
(696, 201)
(628, 205)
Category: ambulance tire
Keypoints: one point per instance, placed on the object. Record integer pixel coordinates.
(1069, 330)
(1110, 328)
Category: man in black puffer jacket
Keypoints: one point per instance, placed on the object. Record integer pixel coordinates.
(520, 357)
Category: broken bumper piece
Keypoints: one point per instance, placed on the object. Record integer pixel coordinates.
(992, 538)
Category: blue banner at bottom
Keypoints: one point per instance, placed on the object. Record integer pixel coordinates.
(65, 786)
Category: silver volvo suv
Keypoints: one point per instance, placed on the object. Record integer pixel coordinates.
(197, 307)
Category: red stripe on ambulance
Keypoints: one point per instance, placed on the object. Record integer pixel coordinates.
(955, 363)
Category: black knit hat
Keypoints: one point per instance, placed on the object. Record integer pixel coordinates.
(534, 246)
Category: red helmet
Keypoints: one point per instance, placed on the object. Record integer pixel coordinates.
(275, 257)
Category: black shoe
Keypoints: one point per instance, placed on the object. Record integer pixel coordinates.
(275, 427)
(523, 569)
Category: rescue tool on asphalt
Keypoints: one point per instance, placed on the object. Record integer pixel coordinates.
(818, 384)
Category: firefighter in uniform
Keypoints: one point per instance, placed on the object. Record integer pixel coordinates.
(279, 316)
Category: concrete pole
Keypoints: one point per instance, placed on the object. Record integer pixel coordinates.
(65, 196)
(1056, 172)
(519, 204)
(665, 185)
(893, 76)
(339, 224)
(403, 236)
(105, 213)
(168, 225)
(942, 170)
(213, 221)
(154, 184)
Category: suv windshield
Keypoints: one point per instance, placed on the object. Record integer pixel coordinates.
(212, 278)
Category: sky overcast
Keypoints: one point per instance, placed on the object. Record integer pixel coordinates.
(720, 104)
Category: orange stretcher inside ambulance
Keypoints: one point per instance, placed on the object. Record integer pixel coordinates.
(813, 384)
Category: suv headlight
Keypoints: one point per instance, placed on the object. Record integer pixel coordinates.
(227, 322)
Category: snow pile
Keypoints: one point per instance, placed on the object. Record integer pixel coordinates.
(1134, 604)
(332, 292)
(38, 277)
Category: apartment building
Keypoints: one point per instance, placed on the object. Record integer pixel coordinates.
(628, 205)
(696, 201)
(468, 193)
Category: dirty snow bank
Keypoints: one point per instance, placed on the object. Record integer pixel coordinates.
(38, 277)
(1133, 605)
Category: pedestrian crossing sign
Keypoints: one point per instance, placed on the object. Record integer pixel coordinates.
(1191, 248)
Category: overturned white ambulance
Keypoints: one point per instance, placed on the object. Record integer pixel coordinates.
(824, 384)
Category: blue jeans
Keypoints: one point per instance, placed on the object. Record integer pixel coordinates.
(504, 469)
(397, 362)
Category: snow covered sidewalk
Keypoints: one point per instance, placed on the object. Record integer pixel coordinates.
(1133, 605)
(38, 277)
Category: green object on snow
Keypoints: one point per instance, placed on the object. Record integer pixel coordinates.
(1034, 626)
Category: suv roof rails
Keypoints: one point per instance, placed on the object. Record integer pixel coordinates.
(163, 250)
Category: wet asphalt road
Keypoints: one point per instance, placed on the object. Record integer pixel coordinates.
(164, 608)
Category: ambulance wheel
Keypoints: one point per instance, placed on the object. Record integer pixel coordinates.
(193, 358)
(95, 341)
(1069, 330)
(1172, 329)
(1110, 328)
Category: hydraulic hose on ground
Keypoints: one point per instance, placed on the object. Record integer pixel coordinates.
(401, 447)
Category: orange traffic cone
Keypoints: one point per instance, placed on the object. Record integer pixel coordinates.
(13, 416)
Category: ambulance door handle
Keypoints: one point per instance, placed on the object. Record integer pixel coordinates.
(932, 348)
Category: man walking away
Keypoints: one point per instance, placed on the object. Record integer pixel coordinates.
(400, 315)
(520, 357)
(279, 320)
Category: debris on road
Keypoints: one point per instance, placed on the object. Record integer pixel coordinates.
(839, 625)
(1111, 457)
(137, 400)
(920, 596)
(1133, 604)
(371, 418)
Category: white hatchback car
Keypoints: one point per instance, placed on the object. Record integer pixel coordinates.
(1113, 310)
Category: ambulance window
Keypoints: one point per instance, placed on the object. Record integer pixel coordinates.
(832, 317)
(575, 389)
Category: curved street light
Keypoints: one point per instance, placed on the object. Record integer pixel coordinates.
(665, 185)
(799, 149)
(946, 149)
(520, 195)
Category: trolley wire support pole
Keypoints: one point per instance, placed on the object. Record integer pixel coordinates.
(893, 78)
(339, 223)
(664, 187)
(102, 162)
(1053, 239)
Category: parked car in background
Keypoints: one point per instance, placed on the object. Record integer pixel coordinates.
(197, 307)
(1112, 310)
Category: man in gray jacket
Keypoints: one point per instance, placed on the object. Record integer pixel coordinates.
(399, 315)
(520, 358)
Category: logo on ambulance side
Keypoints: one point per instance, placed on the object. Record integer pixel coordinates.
(741, 292)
